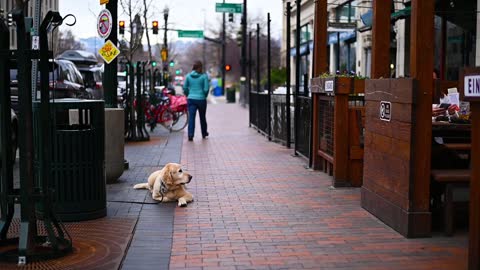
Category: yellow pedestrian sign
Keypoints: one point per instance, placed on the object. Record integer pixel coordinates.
(109, 51)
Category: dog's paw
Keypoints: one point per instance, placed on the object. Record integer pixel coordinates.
(182, 202)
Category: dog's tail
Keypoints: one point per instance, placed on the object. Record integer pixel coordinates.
(141, 186)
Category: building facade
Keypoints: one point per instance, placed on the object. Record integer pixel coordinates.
(8, 5)
(349, 41)
(350, 37)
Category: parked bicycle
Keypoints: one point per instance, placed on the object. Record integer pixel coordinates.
(167, 109)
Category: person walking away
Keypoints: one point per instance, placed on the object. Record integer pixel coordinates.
(196, 90)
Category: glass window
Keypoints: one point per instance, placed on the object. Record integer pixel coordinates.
(346, 12)
(305, 33)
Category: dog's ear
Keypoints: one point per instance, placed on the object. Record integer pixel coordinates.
(167, 175)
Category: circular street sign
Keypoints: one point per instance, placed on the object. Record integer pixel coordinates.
(104, 23)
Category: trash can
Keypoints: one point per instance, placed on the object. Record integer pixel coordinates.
(77, 172)
(218, 91)
(230, 95)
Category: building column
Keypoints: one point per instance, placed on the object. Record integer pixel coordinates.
(400, 68)
(477, 52)
(381, 38)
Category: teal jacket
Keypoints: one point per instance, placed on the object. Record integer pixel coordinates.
(196, 86)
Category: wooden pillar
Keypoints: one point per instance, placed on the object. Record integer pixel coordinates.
(474, 228)
(467, 83)
(398, 192)
(381, 39)
(320, 57)
(421, 66)
(320, 65)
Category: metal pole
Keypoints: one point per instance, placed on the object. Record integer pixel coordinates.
(287, 65)
(258, 75)
(165, 45)
(36, 24)
(250, 61)
(223, 52)
(6, 184)
(204, 42)
(110, 80)
(258, 58)
(297, 75)
(243, 60)
(269, 79)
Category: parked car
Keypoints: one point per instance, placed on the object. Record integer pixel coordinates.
(65, 82)
(92, 76)
(14, 127)
(122, 86)
(87, 64)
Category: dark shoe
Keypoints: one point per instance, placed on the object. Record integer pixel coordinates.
(190, 139)
(205, 136)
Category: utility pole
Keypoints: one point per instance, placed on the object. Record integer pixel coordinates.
(110, 80)
(223, 52)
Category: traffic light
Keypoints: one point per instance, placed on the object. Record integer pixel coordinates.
(228, 67)
(177, 71)
(155, 27)
(172, 63)
(239, 38)
(121, 27)
(154, 64)
(230, 17)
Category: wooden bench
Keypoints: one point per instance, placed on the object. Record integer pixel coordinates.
(451, 179)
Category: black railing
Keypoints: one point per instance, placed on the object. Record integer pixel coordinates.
(260, 118)
(279, 122)
(303, 126)
(253, 107)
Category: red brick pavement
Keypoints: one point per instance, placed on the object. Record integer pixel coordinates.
(256, 207)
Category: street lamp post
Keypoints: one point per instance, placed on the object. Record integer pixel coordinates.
(165, 42)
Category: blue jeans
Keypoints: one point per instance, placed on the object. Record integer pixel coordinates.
(193, 106)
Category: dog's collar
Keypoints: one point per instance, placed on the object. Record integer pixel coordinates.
(163, 188)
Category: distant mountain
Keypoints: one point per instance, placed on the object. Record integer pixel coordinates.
(93, 44)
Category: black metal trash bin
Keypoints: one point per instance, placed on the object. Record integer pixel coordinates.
(230, 95)
(77, 158)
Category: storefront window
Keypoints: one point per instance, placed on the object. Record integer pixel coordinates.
(346, 12)
(305, 33)
(347, 57)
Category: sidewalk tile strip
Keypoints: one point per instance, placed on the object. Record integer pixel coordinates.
(257, 207)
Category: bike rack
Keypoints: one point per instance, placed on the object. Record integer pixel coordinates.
(30, 245)
(135, 130)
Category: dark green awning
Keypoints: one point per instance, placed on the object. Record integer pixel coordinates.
(401, 14)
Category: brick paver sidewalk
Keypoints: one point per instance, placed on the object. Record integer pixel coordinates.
(256, 207)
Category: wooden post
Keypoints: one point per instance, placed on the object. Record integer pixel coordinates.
(471, 76)
(320, 58)
(422, 63)
(474, 227)
(381, 38)
(320, 65)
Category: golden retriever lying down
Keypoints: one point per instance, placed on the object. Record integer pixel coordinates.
(168, 184)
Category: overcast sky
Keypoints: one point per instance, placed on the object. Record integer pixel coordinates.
(184, 14)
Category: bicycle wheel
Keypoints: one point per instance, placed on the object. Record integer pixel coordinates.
(180, 120)
(166, 118)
